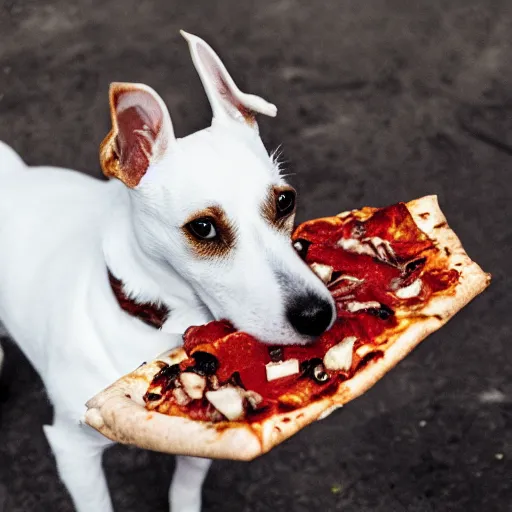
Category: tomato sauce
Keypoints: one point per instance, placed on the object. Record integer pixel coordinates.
(414, 256)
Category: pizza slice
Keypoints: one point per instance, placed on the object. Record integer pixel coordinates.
(396, 273)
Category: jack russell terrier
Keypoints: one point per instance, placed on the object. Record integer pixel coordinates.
(199, 226)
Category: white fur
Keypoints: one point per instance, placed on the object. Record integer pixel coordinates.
(59, 229)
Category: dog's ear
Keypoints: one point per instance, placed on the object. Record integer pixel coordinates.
(226, 99)
(141, 132)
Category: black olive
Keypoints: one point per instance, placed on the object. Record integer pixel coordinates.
(413, 265)
(314, 369)
(301, 246)
(153, 396)
(206, 363)
(335, 275)
(307, 367)
(276, 354)
(169, 371)
(383, 312)
(319, 373)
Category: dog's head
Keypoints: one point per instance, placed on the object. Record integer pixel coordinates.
(214, 207)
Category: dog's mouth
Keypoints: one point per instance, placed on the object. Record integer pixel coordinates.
(283, 302)
(304, 320)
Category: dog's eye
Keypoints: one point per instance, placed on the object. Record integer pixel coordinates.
(203, 228)
(285, 203)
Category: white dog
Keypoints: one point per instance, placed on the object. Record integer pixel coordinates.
(200, 225)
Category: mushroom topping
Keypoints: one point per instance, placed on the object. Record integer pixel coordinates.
(193, 384)
(324, 272)
(180, 396)
(343, 285)
(339, 357)
(346, 277)
(228, 401)
(253, 398)
(213, 382)
(374, 246)
(355, 306)
(407, 292)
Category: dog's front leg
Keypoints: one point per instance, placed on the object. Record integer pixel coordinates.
(190, 472)
(187, 482)
(78, 454)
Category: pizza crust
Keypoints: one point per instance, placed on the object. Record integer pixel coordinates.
(118, 412)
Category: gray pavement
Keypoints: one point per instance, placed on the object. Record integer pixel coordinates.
(379, 101)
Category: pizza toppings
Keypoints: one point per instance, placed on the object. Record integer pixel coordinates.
(193, 384)
(276, 354)
(383, 312)
(355, 306)
(282, 369)
(373, 246)
(253, 398)
(319, 373)
(344, 285)
(181, 396)
(324, 272)
(375, 262)
(407, 292)
(206, 363)
(301, 246)
(314, 370)
(228, 401)
(339, 357)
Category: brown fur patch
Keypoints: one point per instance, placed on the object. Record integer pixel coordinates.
(125, 153)
(151, 314)
(248, 115)
(269, 210)
(226, 234)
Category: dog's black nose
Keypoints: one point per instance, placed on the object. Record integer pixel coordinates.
(310, 315)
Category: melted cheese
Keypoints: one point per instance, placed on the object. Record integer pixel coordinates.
(282, 369)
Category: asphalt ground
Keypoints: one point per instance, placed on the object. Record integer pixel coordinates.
(379, 101)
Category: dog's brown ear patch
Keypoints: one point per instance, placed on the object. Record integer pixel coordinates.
(138, 135)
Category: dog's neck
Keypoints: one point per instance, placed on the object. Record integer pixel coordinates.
(150, 313)
(144, 279)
